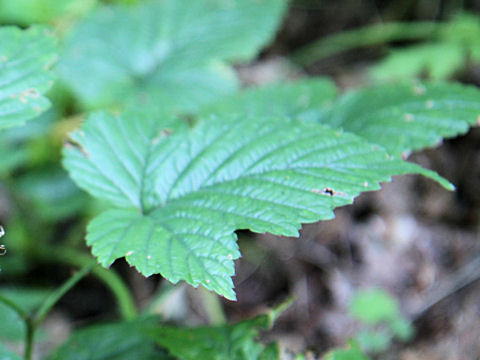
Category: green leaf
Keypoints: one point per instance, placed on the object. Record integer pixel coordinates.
(233, 342)
(171, 52)
(271, 352)
(179, 195)
(351, 352)
(400, 117)
(401, 328)
(13, 326)
(26, 12)
(421, 59)
(375, 34)
(121, 341)
(372, 341)
(215, 343)
(16, 148)
(373, 306)
(438, 59)
(8, 355)
(25, 58)
(406, 117)
(51, 194)
(463, 28)
(301, 99)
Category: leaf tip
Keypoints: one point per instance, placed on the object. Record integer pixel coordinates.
(227, 293)
(439, 179)
(450, 186)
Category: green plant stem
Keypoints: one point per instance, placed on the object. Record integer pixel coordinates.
(366, 36)
(158, 300)
(31, 323)
(50, 301)
(274, 313)
(213, 307)
(28, 324)
(30, 335)
(110, 278)
(70, 256)
(58, 294)
(126, 304)
(14, 307)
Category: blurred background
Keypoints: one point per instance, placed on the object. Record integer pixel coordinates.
(411, 250)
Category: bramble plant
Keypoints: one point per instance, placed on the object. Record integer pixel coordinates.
(180, 159)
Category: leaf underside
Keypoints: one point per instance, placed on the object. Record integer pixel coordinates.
(173, 52)
(178, 195)
(25, 58)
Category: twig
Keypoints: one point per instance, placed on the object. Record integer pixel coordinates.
(463, 277)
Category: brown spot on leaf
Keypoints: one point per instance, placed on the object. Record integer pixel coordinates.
(161, 134)
(74, 145)
(23, 96)
(328, 191)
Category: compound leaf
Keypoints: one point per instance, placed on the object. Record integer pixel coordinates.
(406, 117)
(171, 52)
(179, 194)
(25, 58)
